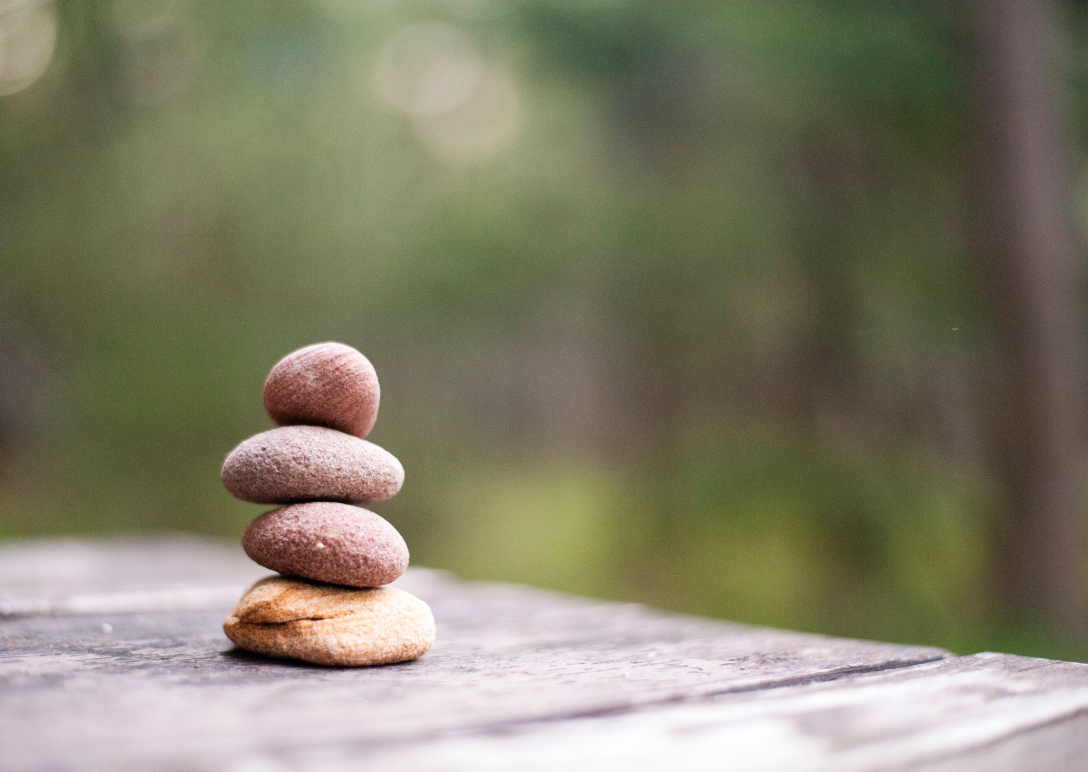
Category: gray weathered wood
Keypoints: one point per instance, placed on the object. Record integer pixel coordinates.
(112, 657)
(982, 713)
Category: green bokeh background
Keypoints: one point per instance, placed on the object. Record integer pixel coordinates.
(706, 334)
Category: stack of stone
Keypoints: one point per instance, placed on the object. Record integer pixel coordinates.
(329, 606)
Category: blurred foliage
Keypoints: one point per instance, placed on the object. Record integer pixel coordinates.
(706, 334)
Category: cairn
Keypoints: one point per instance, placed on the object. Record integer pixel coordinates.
(330, 604)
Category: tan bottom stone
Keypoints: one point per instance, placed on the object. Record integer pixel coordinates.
(331, 625)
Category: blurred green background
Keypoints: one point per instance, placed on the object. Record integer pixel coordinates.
(670, 302)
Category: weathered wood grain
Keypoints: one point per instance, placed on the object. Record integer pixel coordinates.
(72, 576)
(976, 714)
(107, 663)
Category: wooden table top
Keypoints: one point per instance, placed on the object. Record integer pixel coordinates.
(112, 656)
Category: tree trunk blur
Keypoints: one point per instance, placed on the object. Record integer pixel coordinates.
(1027, 257)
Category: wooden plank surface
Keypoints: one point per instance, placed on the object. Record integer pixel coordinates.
(112, 657)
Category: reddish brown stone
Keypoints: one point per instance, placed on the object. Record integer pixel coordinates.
(326, 384)
(328, 542)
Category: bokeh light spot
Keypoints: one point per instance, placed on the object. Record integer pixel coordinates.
(480, 127)
(28, 37)
(428, 69)
(144, 19)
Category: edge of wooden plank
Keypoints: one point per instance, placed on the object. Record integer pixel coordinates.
(977, 713)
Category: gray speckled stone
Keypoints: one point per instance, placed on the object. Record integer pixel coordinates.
(310, 463)
(328, 542)
(326, 384)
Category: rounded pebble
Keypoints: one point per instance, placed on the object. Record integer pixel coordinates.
(326, 384)
(328, 625)
(328, 542)
(310, 463)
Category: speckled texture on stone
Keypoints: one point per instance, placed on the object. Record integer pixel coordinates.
(328, 542)
(328, 625)
(310, 463)
(326, 384)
